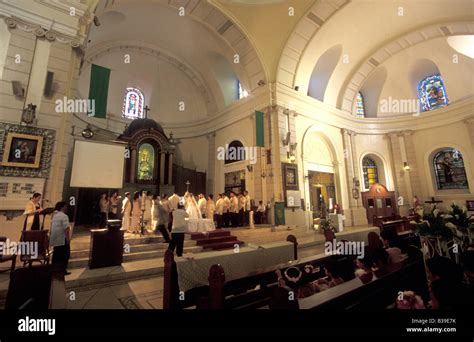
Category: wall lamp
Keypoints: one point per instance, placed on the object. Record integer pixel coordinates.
(406, 167)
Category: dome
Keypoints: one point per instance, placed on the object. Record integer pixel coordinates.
(139, 124)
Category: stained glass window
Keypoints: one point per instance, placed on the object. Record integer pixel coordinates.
(360, 111)
(146, 162)
(241, 92)
(133, 104)
(432, 93)
(371, 175)
(449, 170)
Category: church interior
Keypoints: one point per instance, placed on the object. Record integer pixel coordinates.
(236, 154)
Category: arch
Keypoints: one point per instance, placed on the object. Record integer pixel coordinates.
(448, 169)
(322, 72)
(133, 103)
(225, 76)
(364, 70)
(235, 152)
(382, 169)
(309, 164)
(429, 170)
(372, 89)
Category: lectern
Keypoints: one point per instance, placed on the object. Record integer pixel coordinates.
(107, 245)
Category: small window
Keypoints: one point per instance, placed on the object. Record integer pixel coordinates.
(360, 109)
(234, 152)
(371, 176)
(133, 104)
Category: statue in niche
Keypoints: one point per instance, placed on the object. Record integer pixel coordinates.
(145, 162)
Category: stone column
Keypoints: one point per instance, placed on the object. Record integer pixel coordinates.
(170, 169)
(133, 165)
(162, 167)
(469, 123)
(211, 165)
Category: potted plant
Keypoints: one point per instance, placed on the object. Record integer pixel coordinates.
(435, 232)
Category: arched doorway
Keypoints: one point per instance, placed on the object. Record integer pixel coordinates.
(322, 188)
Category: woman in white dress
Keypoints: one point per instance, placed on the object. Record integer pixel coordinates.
(191, 206)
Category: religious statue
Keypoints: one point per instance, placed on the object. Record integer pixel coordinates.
(448, 169)
(145, 169)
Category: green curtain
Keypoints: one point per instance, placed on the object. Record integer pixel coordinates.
(259, 129)
(99, 89)
(279, 213)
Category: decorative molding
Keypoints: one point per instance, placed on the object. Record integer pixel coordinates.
(46, 151)
(38, 31)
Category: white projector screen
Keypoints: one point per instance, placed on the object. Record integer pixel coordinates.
(97, 165)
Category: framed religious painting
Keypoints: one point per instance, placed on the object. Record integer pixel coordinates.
(290, 176)
(22, 150)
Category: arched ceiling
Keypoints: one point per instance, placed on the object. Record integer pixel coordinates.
(370, 31)
(158, 26)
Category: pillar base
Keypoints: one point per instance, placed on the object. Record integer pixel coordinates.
(355, 217)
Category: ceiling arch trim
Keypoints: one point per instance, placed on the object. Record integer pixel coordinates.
(193, 75)
(303, 34)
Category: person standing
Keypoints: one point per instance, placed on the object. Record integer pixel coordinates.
(234, 209)
(202, 203)
(210, 207)
(32, 212)
(241, 214)
(126, 212)
(136, 213)
(104, 209)
(226, 210)
(178, 230)
(147, 214)
(113, 205)
(60, 237)
(248, 207)
(161, 218)
(219, 210)
(173, 205)
(261, 209)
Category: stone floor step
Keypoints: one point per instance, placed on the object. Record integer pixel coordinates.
(216, 239)
(222, 245)
(214, 233)
(133, 256)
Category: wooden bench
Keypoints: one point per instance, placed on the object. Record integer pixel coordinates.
(211, 296)
(36, 288)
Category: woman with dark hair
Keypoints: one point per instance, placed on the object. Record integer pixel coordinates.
(374, 242)
(32, 211)
(113, 205)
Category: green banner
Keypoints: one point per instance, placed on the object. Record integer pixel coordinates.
(99, 90)
(279, 213)
(259, 129)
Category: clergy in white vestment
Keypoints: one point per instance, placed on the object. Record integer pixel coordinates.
(248, 207)
(126, 212)
(226, 211)
(234, 209)
(173, 201)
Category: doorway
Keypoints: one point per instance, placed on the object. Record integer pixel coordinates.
(322, 192)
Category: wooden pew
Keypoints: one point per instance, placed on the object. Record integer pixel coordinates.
(206, 297)
(378, 220)
(36, 288)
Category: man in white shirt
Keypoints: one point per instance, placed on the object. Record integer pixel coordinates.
(234, 209)
(248, 208)
(179, 228)
(226, 211)
(202, 203)
(241, 214)
(219, 210)
(60, 237)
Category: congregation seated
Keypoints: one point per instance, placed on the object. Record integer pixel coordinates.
(447, 289)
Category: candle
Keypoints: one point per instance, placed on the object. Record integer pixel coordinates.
(143, 200)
